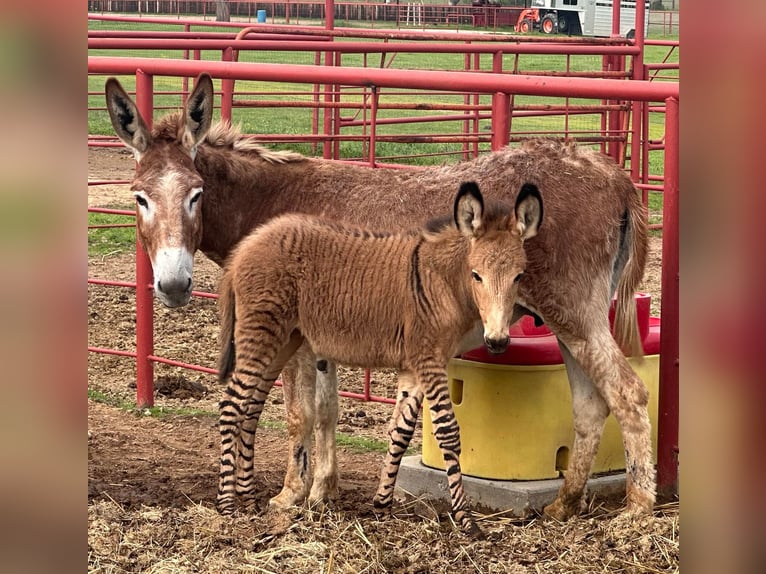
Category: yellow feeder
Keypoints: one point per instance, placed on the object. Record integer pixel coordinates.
(516, 420)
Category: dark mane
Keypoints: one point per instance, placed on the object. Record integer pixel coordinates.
(222, 135)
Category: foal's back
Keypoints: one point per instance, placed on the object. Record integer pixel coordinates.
(348, 290)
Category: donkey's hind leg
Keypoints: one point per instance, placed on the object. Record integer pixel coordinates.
(409, 398)
(627, 398)
(298, 385)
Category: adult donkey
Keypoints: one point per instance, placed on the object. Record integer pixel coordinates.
(593, 245)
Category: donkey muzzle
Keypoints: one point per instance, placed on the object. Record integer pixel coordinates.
(174, 293)
(173, 276)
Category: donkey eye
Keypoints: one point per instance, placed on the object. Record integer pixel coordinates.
(476, 276)
(141, 200)
(195, 198)
(518, 277)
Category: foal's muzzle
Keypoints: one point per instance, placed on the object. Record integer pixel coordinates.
(497, 345)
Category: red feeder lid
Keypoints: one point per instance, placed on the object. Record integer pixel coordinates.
(532, 345)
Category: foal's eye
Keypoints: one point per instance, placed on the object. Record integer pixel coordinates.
(476, 276)
(141, 200)
(518, 277)
(195, 198)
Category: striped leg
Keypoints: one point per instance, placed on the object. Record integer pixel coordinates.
(401, 427)
(244, 399)
(432, 377)
(241, 408)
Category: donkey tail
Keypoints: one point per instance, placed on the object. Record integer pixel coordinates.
(226, 334)
(635, 241)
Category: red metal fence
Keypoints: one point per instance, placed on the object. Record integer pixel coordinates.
(392, 13)
(498, 88)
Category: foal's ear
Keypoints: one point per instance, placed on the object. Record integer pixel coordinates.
(469, 209)
(528, 210)
(198, 113)
(127, 122)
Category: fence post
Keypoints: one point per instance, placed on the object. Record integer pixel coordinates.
(373, 124)
(144, 277)
(501, 110)
(501, 104)
(667, 424)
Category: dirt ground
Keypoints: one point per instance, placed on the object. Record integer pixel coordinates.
(152, 479)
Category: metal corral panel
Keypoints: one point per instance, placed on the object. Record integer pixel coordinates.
(602, 25)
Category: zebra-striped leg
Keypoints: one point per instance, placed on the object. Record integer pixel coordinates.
(243, 401)
(401, 427)
(254, 400)
(433, 378)
(245, 482)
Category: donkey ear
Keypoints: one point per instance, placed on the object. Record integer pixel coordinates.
(528, 210)
(198, 114)
(127, 122)
(469, 209)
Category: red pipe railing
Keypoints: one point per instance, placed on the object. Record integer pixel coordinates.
(458, 82)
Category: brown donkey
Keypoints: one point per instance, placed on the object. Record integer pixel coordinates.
(593, 244)
(303, 278)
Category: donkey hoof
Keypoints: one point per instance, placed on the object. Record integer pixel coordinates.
(559, 511)
(285, 500)
(323, 493)
(640, 503)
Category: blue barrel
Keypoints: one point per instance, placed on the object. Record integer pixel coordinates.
(261, 16)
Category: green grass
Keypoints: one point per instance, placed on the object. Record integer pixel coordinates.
(110, 240)
(361, 444)
(156, 412)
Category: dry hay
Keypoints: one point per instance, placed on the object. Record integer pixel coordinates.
(195, 538)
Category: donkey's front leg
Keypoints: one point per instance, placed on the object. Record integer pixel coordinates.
(298, 386)
(589, 415)
(409, 398)
(627, 398)
(325, 485)
(432, 378)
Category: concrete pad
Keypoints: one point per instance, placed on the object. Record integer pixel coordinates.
(521, 498)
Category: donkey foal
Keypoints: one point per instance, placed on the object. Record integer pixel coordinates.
(368, 299)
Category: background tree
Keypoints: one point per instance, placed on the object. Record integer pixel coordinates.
(222, 13)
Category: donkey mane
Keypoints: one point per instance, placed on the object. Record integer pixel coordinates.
(223, 135)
